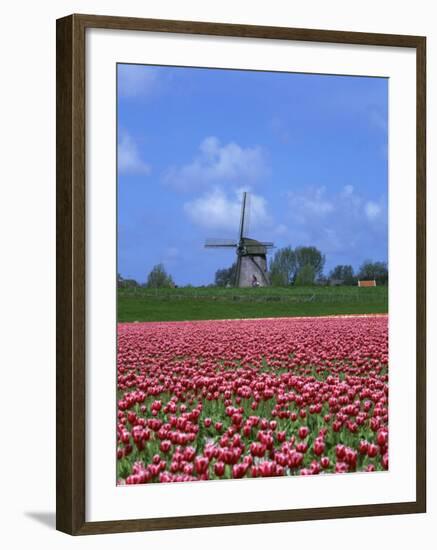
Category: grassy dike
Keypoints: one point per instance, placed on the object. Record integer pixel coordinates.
(185, 304)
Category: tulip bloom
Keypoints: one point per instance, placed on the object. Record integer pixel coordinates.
(219, 468)
(341, 467)
(372, 450)
(201, 464)
(239, 470)
(319, 446)
(364, 447)
(188, 391)
(257, 449)
(165, 446)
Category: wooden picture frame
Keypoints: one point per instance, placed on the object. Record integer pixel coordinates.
(71, 253)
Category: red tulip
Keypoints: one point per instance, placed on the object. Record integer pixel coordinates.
(372, 450)
(219, 468)
(382, 437)
(319, 446)
(165, 446)
(341, 467)
(340, 451)
(303, 432)
(239, 470)
(258, 449)
(177, 379)
(201, 464)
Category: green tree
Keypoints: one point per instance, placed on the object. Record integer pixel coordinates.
(283, 267)
(305, 276)
(310, 255)
(159, 278)
(343, 273)
(225, 277)
(126, 283)
(374, 270)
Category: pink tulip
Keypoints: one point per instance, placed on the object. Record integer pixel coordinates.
(191, 389)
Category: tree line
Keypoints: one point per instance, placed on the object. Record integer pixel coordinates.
(157, 278)
(301, 266)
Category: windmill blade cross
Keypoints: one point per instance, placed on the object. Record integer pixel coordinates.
(247, 215)
(243, 212)
(251, 267)
(220, 243)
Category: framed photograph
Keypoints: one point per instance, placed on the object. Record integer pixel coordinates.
(240, 274)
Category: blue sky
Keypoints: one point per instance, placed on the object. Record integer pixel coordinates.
(310, 149)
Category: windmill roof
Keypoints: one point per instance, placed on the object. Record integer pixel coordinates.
(255, 247)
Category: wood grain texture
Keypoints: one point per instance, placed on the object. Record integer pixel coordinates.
(246, 518)
(246, 31)
(64, 409)
(421, 274)
(71, 279)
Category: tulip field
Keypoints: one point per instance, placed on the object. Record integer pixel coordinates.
(209, 400)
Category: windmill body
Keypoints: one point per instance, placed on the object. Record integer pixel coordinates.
(251, 254)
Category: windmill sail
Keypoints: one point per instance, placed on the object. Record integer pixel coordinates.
(251, 253)
(220, 243)
(247, 215)
(243, 211)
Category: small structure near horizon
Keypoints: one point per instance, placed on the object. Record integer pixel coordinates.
(367, 283)
(251, 255)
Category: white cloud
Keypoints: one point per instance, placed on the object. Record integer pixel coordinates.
(372, 210)
(218, 163)
(217, 210)
(317, 203)
(129, 160)
(348, 190)
(136, 80)
(312, 202)
(340, 223)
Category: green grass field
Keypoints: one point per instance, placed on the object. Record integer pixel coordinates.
(186, 304)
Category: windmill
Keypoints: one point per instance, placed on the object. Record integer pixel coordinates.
(251, 254)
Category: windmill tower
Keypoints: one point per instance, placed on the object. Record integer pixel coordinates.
(251, 254)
